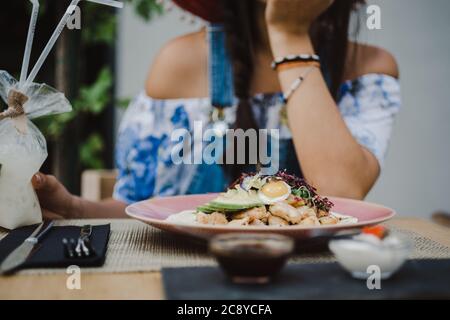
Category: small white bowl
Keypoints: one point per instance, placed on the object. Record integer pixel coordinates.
(356, 255)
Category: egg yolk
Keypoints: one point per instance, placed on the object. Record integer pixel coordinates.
(274, 189)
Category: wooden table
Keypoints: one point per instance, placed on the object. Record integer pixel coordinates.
(145, 285)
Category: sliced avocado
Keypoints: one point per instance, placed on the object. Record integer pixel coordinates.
(232, 206)
(219, 207)
(234, 200)
(237, 200)
(205, 209)
(210, 208)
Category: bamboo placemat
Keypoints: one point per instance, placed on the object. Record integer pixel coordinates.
(137, 247)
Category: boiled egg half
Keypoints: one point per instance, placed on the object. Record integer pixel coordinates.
(274, 191)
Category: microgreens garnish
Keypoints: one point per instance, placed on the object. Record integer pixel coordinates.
(300, 188)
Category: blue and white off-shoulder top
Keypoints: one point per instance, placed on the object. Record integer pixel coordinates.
(144, 146)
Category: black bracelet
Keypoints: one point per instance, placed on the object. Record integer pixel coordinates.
(295, 58)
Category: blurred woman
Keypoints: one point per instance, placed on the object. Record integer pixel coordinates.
(333, 101)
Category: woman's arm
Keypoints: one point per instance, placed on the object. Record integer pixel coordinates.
(330, 157)
(172, 76)
(56, 202)
(105, 209)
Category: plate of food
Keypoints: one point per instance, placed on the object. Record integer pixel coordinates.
(280, 203)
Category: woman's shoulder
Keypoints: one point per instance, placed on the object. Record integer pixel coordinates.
(366, 59)
(180, 69)
(371, 85)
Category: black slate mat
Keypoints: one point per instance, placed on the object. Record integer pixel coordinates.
(50, 252)
(418, 279)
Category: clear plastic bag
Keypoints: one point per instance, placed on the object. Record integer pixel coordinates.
(23, 148)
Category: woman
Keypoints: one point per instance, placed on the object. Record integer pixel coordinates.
(339, 118)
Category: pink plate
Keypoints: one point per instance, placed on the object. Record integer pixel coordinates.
(155, 211)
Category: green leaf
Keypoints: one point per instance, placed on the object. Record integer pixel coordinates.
(94, 98)
(91, 100)
(99, 24)
(123, 103)
(90, 152)
(302, 193)
(53, 126)
(146, 9)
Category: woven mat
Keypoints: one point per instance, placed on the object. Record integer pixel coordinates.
(137, 247)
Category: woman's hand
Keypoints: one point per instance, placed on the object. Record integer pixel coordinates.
(55, 200)
(288, 24)
(293, 16)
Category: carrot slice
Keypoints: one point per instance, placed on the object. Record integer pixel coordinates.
(378, 231)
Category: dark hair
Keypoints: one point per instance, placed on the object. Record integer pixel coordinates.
(329, 35)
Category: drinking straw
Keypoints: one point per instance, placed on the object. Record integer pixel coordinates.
(29, 43)
(59, 29)
(111, 3)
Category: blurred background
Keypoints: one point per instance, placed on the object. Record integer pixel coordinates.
(103, 65)
(83, 66)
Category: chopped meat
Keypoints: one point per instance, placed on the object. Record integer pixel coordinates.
(306, 212)
(239, 222)
(322, 213)
(295, 201)
(286, 211)
(259, 213)
(310, 221)
(213, 218)
(277, 221)
(257, 223)
(202, 217)
(239, 215)
(328, 220)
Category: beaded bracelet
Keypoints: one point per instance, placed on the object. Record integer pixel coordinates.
(295, 58)
(297, 64)
(296, 84)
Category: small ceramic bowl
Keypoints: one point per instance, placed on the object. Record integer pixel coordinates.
(251, 258)
(358, 254)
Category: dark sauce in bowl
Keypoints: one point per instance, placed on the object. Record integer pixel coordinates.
(251, 258)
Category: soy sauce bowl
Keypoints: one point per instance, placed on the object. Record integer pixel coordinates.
(251, 258)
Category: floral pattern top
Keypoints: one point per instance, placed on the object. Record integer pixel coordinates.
(143, 152)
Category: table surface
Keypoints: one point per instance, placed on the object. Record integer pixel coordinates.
(145, 285)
